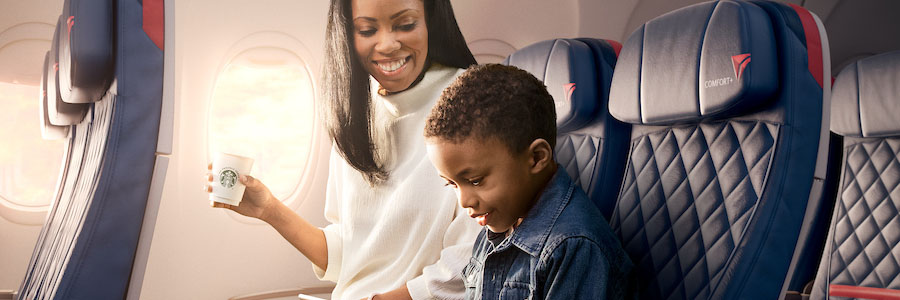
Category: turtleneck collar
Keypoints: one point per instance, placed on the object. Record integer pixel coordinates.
(417, 96)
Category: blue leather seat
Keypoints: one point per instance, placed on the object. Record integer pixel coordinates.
(728, 148)
(862, 251)
(577, 74)
(88, 246)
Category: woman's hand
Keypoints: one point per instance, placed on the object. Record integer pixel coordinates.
(258, 201)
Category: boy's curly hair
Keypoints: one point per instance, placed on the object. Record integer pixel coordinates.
(497, 101)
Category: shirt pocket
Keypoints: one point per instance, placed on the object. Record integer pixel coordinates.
(516, 290)
(471, 276)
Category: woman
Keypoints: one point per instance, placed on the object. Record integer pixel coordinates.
(396, 232)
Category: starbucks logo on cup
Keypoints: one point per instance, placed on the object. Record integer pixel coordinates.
(228, 177)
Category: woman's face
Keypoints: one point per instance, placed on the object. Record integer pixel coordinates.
(391, 40)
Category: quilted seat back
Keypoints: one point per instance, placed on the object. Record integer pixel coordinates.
(577, 73)
(728, 148)
(863, 244)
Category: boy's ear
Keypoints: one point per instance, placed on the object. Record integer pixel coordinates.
(541, 155)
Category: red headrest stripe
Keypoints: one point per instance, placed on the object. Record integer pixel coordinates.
(813, 42)
(616, 46)
(154, 21)
(70, 22)
(862, 292)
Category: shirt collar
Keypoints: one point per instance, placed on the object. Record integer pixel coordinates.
(419, 95)
(532, 233)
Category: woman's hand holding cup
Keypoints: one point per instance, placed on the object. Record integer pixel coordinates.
(256, 200)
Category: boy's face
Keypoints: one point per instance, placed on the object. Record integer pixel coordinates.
(494, 185)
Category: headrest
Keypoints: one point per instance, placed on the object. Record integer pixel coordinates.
(49, 131)
(865, 101)
(58, 112)
(695, 63)
(87, 55)
(568, 70)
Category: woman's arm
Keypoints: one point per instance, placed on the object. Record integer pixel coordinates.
(309, 239)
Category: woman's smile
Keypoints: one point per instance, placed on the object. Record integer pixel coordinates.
(391, 67)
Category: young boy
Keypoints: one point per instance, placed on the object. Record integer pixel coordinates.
(491, 136)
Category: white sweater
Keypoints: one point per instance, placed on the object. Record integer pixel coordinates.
(409, 230)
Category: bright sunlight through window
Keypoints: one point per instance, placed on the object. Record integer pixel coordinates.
(29, 165)
(263, 108)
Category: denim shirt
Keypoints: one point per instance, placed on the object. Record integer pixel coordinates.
(563, 249)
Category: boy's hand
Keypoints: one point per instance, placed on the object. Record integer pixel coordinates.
(258, 201)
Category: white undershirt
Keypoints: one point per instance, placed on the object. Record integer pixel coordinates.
(408, 230)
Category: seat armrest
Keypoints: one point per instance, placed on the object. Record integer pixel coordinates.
(861, 292)
(7, 295)
(795, 295)
(285, 293)
(801, 295)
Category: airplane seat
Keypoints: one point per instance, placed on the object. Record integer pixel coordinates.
(86, 50)
(94, 241)
(728, 148)
(577, 73)
(60, 113)
(862, 250)
(48, 131)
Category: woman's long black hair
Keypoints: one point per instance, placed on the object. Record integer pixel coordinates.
(346, 83)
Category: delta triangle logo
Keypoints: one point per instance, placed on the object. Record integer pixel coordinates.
(740, 63)
(570, 88)
(70, 21)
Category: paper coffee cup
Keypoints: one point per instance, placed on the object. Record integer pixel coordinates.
(226, 171)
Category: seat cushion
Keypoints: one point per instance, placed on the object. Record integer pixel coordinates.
(590, 144)
(688, 195)
(866, 98)
(866, 233)
(564, 66)
(700, 62)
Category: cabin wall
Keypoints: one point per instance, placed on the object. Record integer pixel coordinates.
(17, 244)
(199, 252)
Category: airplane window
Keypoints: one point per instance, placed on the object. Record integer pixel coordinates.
(489, 58)
(29, 165)
(490, 50)
(263, 107)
